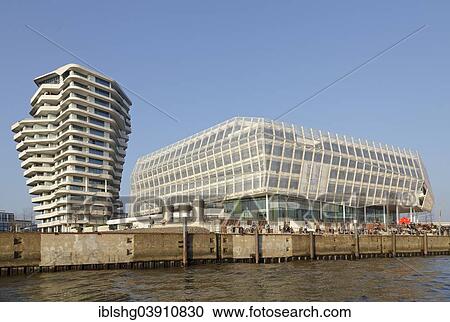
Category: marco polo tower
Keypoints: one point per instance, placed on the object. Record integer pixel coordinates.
(72, 149)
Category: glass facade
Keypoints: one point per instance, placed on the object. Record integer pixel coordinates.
(304, 172)
(6, 221)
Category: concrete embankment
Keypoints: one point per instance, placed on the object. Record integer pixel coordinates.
(35, 252)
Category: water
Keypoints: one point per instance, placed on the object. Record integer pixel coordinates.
(403, 279)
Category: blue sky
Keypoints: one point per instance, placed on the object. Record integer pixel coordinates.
(205, 61)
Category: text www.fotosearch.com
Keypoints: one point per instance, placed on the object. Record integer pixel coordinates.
(198, 311)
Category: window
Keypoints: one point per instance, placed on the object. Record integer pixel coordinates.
(52, 80)
(96, 132)
(96, 171)
(277, 150)
(286, 167)
(101, 102)
(78, 138)
(95, 161)
(333, 173)
(284, 182)
(80, 96)
(95, 151)
(293, 184)
(78, 188)
(318, 157)
(102, 81)
(275, 166)
(101, 113)
(80, 85)
(97, 142)
(78, 128)
(273, 182)
(335, 147)
(296, 168)
(102, 92)
(81, 107)
(288, 152)
(96, 121)
(96, 181)
(79, 74)
(77, 148)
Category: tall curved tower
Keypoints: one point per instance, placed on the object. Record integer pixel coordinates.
(72, 149)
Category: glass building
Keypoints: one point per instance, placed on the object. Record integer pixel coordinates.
(270, 171)
(6, 220)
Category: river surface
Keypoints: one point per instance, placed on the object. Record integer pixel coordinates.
(390, 279)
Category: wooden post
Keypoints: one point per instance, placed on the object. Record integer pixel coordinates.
(356, 243)
(185, 241)
(256, 246)
(394, 245)
(218, 246)
(312, 245)
(425, 244)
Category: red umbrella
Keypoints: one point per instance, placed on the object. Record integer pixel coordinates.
(405, 220)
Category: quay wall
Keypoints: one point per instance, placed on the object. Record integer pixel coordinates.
(157, 246)
(371, 245)
(20, 249)
(438, 244)
(235, 246)
(83, 249)
(301, 246)
(39, 252)
(275, 246)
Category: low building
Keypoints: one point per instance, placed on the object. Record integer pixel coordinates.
(8, 223)
(273, 172)
(6, 220)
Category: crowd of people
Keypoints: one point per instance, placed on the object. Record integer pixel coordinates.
(321, 228)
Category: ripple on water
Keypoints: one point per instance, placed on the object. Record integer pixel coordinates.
(406, 279)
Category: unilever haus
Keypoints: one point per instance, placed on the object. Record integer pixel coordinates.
(263, 170)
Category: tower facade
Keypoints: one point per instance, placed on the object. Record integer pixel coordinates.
(72, 149)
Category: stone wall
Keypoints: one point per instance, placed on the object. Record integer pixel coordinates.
(334, 245)
(86, 248)
(438, 244)
(300, 245)
(275, 245)
(158, 246)
(19, 249)
(370, 245)
(234, 246)
(126, 247)
(202, 246)
(409, 244)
